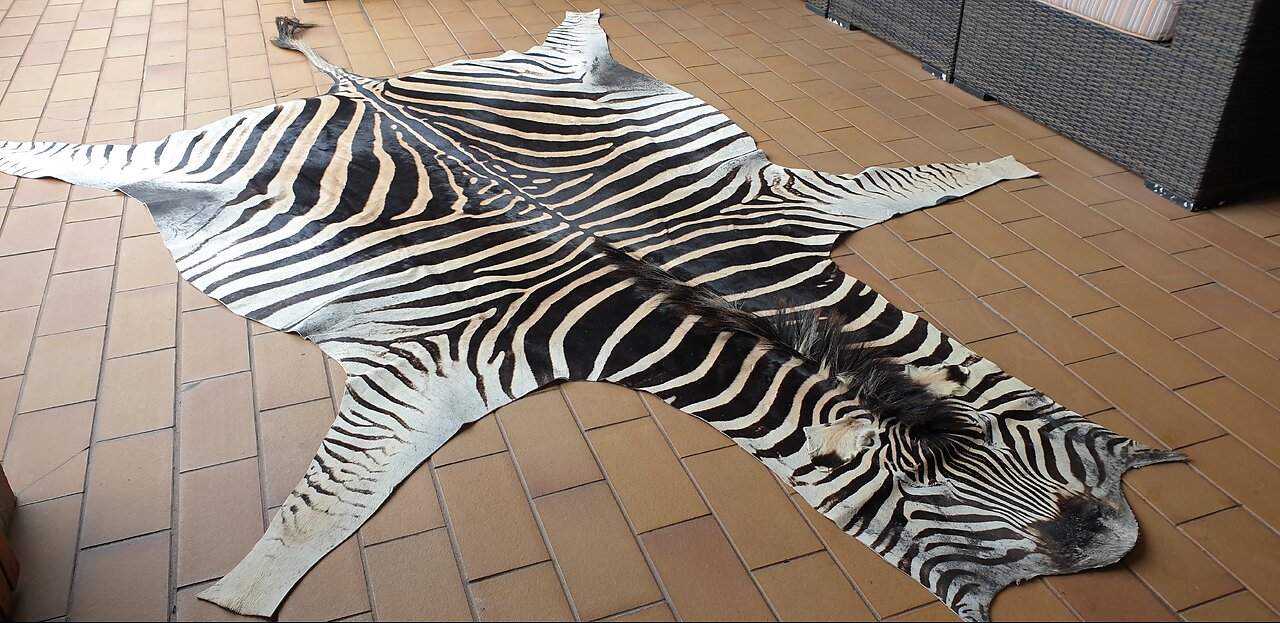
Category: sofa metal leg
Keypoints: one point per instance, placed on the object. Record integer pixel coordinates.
(820, 9)
(1188, 204)
(972, 90)
(936, 72)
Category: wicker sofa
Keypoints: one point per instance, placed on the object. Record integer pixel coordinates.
(1187, 115)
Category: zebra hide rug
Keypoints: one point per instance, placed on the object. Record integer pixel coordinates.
(461, 237)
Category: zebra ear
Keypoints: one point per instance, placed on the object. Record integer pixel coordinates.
(833, 445)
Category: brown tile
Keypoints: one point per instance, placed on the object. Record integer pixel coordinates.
(1050, 238)
(476, 439)
(412, 508)
(8, 404)
(687, 433)
(137, 394)
(795, 137)
(76, 301)
(17, 329)
(33, 191)
(754, 106)
(130, 489)
(122, 581)
(287, 370)
(1067, 211)
(1152, 227)
(1168, 314)
(144, 262)
(891, 257)
(216, 422)
(964, 264)
(650, 482)
(863, 140)
(25, 277)
(1054, 282)
(214, 342)
(87, 244)
(187, 607)
(1157, 409)
(44, 538)
(416, 578)
(682, 553)
(41, 444)
(1001, 141)
(985, 234)
(1077, 155)
(290, 437)
(1246, 365)
(1236, 315)
(532, 593)
(494, 525)
(1239, 411)
(601, 404)
(1257, 286)
(655, 613)
(1241, 606)
(546, 444)
(1152, 263)
(887, 590)
(968, 320)
(63, 369)
(142, 320)
(1234, 239)
(834, 96)
(1030, 601)
(1110, 594)
(931, 287)
(933, 612)
(1173, 565)
(222, 505)
(1053, 330)
(602, 565)
(333, 589)
(791, 588)
(1245, 546)
(916, 225)
(1168, 362)
(1016, 355)
(1242, 473)
(1081, 187)
(31, 229)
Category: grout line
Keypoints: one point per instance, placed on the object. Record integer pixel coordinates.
(453, 540)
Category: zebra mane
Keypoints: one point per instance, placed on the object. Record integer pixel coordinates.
(881, 384)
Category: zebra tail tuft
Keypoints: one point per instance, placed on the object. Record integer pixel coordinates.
(287, 27)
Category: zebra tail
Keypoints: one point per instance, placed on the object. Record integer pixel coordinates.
(287, 28)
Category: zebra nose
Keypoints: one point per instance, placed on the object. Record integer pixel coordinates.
(1088, 532)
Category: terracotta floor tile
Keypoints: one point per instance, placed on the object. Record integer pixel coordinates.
(795, 137)
(142, 320)
(187, 607)
(1152, 227)
(968, 320)
(1150, 302)
(891, 257)
(1245, 546)
(31, 229)
(1003, 142)
(77, 301)
(287, 370)
(932, 612)
(63, 369)
(1053, 240)
(916, 225)
(1241, 606)
(416, 578)
(1029, 601)
(1245, 364)
(964, 264)
(1165, 270)
(1054, 282)
(221, 505)
(1177, 490)
(44, 538)
(863, 140)
(137, 395)
(476, 439)
(916, 151)
(684, 553)
(831, 94)
(492, 520)
(1077, 155)
(688, 434)
(17, 330)
(1178, 570)
(1245, 280)
(1168, 362)
(1053, 330)
(1234, 239)
(1018, 356)
(333, 589)
(130, 489)
(887, 590)
(414, 507)
(144, 262)
(9, 389)
(650, 482)
(216, 422)
(214, 342)
(31, 192)
(42, 442)
(192, 299)
(791, 586)
(657, 613)
(601, 404)
(1242, 473)
(931, 287)
(290, 437)
(1238, 411)
(547, 444)
(1236, 314)
(976, 228)
(1112, 593)
(1157, 409)
(121, 581)
(531, 593)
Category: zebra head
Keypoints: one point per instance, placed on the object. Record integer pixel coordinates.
(969, 501)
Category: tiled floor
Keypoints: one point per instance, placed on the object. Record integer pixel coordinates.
(150, 432)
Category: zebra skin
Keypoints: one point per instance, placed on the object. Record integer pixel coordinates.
(461, 237)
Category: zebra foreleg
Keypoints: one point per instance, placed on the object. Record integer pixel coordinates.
(360, 462)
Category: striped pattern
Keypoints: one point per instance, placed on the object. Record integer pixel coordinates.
(1155, 20)
(459, 238)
